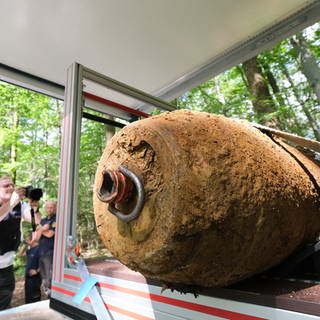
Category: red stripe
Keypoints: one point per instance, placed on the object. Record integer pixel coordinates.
(63, 183)
(231, 315)
(127, 313)
(71, 277)
(55, 262)
(115, 105)
(66, 156)
(63, 291)
(175, 302)
(108, 306)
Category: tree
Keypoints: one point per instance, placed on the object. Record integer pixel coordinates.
(269, 88)
(308, 63)
(30, 124)
(262, 100)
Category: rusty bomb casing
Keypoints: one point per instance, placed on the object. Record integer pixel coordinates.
(223, 201)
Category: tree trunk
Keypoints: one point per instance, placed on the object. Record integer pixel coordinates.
(13, 151)
(273, 83)
(308, 62)
(59, 115)
(46, 163)
(288, 116)
(312, 122)
(261, 97)
(110, 130)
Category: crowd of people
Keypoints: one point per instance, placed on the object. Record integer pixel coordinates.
(39, 244)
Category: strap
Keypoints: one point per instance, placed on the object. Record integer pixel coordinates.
(33, 221)
(300, 141)
(84, 290)
(88, 288)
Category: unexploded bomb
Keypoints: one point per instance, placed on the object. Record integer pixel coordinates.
(222, 201)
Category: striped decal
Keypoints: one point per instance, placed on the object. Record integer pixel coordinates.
(109, 306)
(231, 315)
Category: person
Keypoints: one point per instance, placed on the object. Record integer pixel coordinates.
(35, 214)
(45, 233)
(12, 211)
(32, 284)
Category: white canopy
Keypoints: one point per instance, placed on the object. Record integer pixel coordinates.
(163, 47)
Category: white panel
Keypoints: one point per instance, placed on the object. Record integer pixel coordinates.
(148, 44)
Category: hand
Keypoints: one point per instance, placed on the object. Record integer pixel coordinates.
(45, 227)
(33, 236)
(21, 192)
(32, 272)
(22, 253)
(15, 198)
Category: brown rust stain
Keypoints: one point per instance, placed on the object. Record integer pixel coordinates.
(223, 201)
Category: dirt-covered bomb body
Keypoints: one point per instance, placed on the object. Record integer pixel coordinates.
(223, 200)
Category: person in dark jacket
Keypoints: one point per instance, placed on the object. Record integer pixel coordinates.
(12, 211)
(32, 284)
(45, 233)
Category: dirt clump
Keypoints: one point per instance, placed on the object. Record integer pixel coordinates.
(223, 200)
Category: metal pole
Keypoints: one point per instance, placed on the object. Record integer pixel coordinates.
(125, 89)
(300, 141)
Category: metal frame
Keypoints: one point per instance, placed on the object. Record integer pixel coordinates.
(31, 82)
(71, 128)
(143, 300)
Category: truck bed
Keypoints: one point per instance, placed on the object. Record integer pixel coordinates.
(295, 294)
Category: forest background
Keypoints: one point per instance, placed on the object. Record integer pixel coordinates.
(278, 88)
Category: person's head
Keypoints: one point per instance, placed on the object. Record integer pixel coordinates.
(6, 189)
(50, 207)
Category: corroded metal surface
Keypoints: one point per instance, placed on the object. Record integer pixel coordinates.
(223, 200)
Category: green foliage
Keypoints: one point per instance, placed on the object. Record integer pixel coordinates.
(29, 137)
(30, 142)
(93, 134)
(19, 265)
(226, 94)
(297, 108)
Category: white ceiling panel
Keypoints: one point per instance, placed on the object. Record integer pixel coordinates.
(161, 47)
